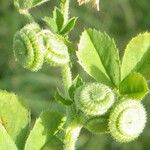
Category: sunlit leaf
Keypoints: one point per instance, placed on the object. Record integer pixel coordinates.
(69, 26)
(134, 86)
(45, 127)
(6, 143)
(14, 116)
(99, 57)
(137, 56)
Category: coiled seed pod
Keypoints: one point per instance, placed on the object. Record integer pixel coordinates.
(127, 120)
(57, 52)
(29, 48)
(94, 98)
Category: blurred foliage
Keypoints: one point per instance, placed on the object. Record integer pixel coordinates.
(121, 19)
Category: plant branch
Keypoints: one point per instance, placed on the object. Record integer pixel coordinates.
(26, 14)
(73, 128)
(67, 76)
(71, 136)
(66, 70)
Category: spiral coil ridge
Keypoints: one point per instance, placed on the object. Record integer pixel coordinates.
(29, 48)
(94, 98)
(57, 52)
(127, 120)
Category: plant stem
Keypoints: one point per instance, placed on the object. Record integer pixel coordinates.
(73, 128)
(66, 71)
(27, 15)
(65, 9)
(71, 136)
(67, 76)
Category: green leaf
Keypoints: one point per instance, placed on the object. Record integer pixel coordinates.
(97, 125)
(15, 117)
(45, 127)
(99, 57)
(60, 98)
(76, 83)
(134, 86)
(69, 26)
(50, 23)
(6, 143)
(58, 18)
(55, 23)
(137, 56)
(28, 4)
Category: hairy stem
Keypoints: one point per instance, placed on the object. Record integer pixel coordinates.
(73, 128)
(71, 136)
(66, 71)
(67, 76)
(27, 15)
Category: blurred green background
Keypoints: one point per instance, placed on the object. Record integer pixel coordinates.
(121, 19)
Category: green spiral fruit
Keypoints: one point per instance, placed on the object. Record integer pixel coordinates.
(57, 51)
(29, 48)
(94, 99)
(127, 120)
